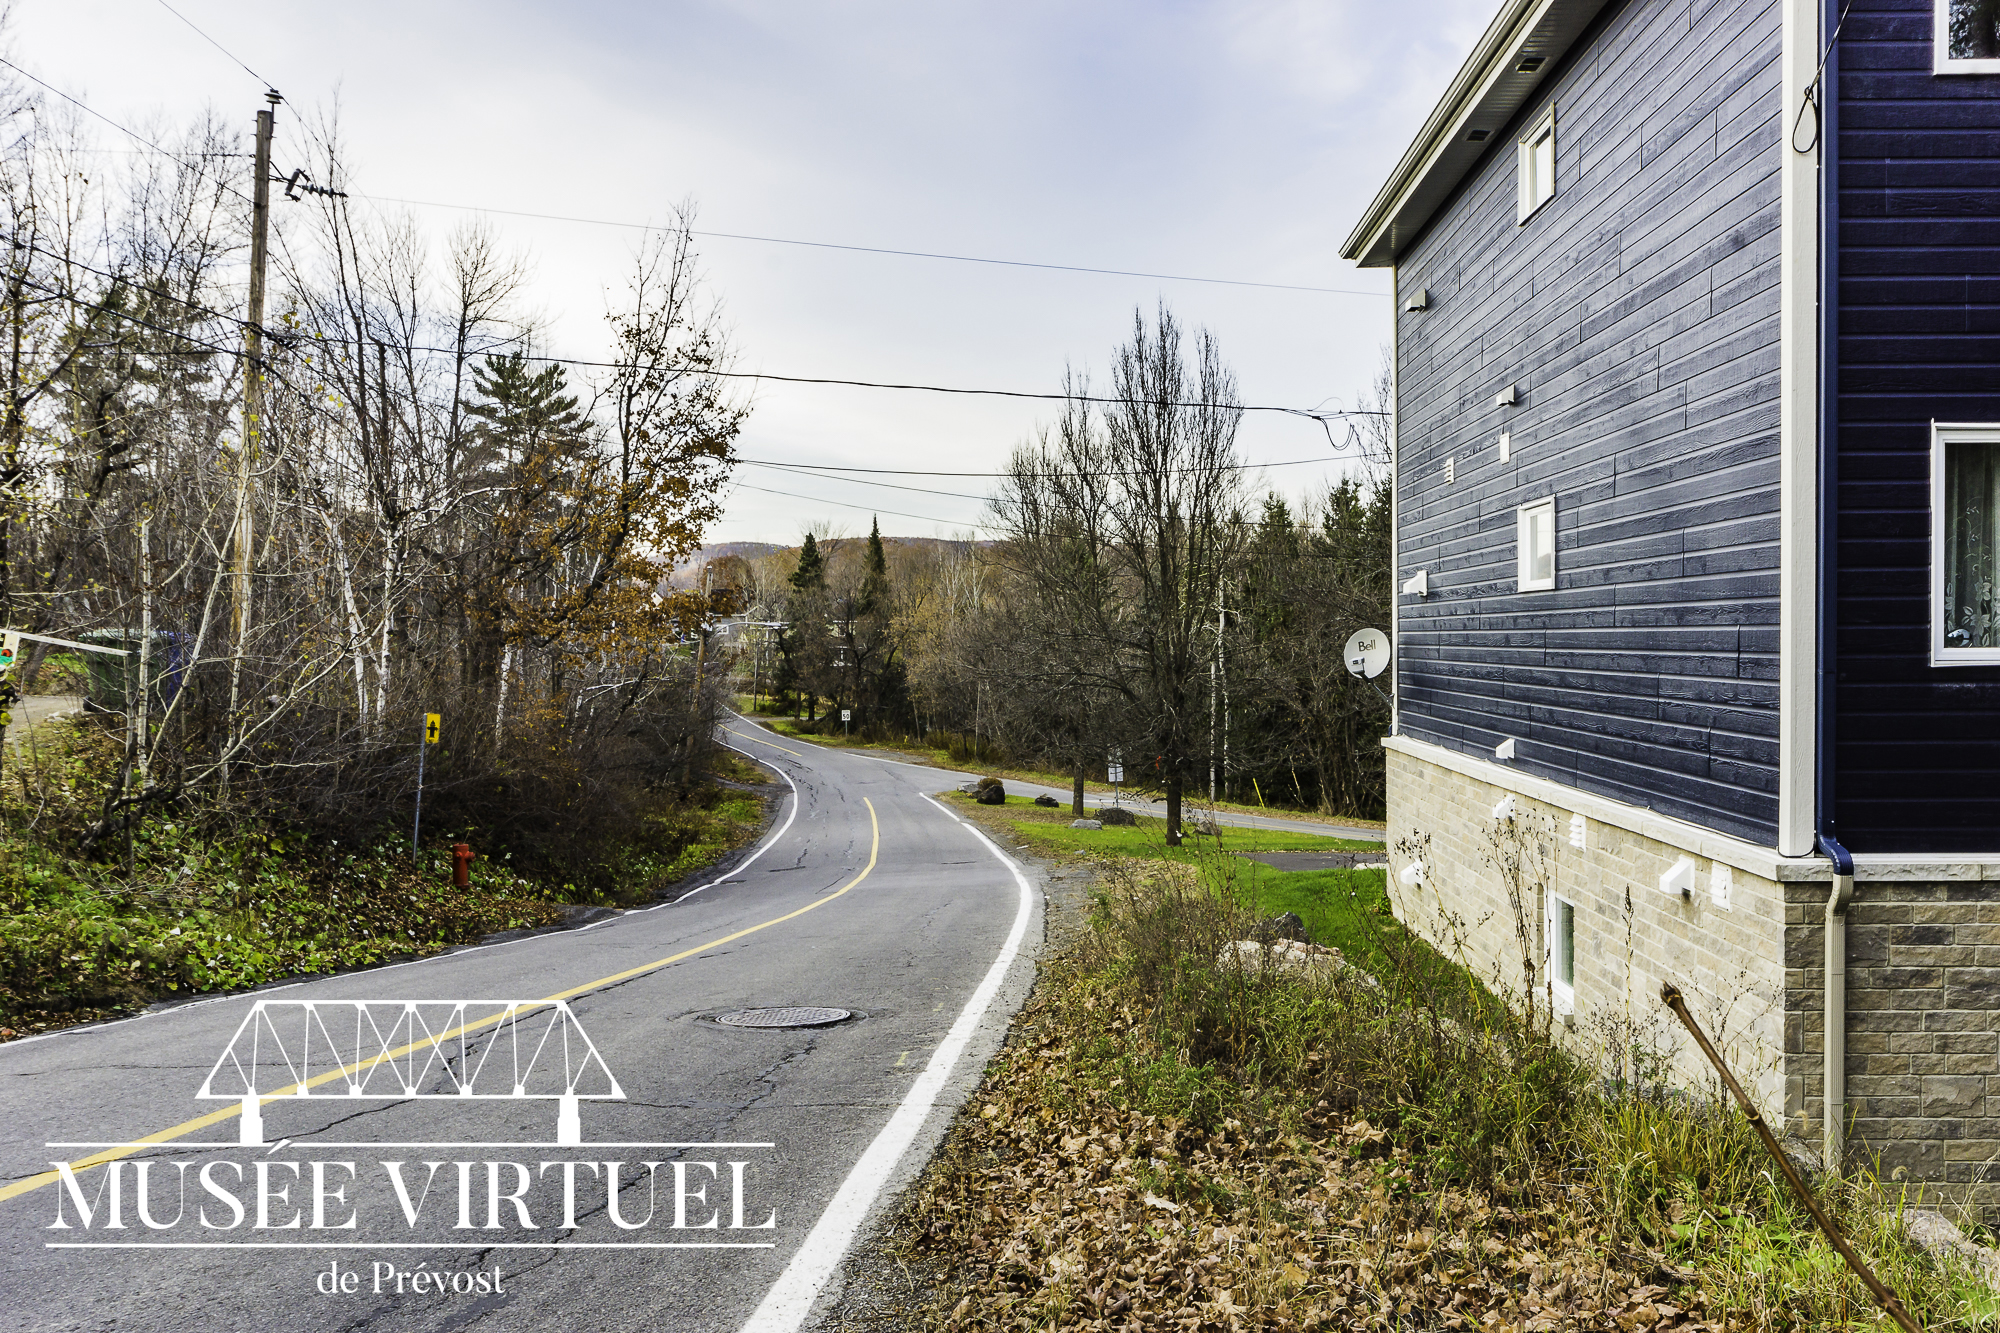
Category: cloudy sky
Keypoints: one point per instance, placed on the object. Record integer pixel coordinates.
(1211, 140)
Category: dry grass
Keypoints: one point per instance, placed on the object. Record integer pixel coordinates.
(1172, 1143)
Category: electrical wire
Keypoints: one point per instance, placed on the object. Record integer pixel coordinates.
(814, 468)
(860, 481)
(137, 137)
(867, 249)
(866, 509)
(1308, 413)
(217, 45)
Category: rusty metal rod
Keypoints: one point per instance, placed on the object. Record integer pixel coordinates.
(1883, 1296)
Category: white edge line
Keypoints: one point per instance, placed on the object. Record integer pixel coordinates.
(785, 1307)
(262, 991)
(767, 843)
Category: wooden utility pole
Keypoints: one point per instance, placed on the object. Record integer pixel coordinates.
(253, 409)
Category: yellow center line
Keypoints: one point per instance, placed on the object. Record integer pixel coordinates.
(759, 740)
(216, 1117)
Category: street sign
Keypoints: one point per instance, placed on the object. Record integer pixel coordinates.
(1115, 773)
(431, 721)
(10, 647)
(846, 714)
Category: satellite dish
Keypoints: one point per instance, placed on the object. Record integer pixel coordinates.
(1366, 654)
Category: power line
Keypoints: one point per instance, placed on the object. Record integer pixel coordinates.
(915, 472)
(866, 509)
(871, 249)
(87, 109)
(1308, 413)
(860, 481)
(217, 45)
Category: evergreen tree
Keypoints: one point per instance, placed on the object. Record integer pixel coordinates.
(810, 576)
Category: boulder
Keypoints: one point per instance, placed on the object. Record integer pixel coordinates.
(990, 792)
(1287, 926)
(1117, 814)
(1307, 960)
(1086, 823)
(1046, 802)
(970, 788)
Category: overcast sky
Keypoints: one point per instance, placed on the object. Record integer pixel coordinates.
(1218, 140)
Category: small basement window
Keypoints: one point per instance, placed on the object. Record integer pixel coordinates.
(1537, 162)
(1965, 544)
(1562, 954)
(1966, 35)
(1535, 546)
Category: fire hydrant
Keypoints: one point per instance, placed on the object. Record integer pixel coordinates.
(461, 865)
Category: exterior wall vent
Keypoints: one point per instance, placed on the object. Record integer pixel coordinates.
(1507, 397)
(1418, 583)
(1679, 878)
(1529, 64)
(1419, 300)
(1505, 749)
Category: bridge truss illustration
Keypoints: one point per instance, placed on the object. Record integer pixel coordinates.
(411, 1050)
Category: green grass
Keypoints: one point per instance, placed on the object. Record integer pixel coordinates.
(786, 726)
(1148, 837)
(212, 903)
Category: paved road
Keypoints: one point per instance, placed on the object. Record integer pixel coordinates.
(872, 898)
(1148, 805)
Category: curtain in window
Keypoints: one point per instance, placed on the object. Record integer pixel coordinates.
(1971, 544)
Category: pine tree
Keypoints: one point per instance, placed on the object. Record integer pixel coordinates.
(810, 576)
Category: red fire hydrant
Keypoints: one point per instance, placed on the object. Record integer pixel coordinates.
(461, 865)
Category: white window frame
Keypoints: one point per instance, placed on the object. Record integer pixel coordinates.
(1523, 557)
(1942, 62)
(1562, 994)
(1535, 192)
(1944, 433)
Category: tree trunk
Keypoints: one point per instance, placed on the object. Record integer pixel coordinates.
(1076, 794)
(1173, 809)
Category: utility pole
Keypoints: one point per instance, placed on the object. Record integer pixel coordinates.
(253, 404)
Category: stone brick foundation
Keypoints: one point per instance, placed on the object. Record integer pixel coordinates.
(1923, 951)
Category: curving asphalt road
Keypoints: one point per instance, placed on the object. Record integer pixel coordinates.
(458, 1209)
(1141, 803)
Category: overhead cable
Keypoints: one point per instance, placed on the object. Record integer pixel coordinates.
(217, 45)
(871, 249)
(866, 509)
(1311, 414)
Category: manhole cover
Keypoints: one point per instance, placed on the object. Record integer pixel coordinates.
(793, 1017)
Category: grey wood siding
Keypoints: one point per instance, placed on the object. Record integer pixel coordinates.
(1916, 747)
(1637, 316)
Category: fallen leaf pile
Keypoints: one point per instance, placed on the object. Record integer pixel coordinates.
(1055, 1205)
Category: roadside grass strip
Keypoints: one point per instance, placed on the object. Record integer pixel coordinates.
(1180, 1136)
(350, 1072)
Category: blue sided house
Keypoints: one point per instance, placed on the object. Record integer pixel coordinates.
(1697, 515)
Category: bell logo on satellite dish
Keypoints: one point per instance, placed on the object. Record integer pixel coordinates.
(1366, 654)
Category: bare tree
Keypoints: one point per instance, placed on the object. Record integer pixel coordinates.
(1125, 524)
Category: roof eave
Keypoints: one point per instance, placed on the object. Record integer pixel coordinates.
(1487, 93)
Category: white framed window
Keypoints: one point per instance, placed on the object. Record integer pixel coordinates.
(1537, 163)
(1965, 544)
(1535, 546)
(1966, 36)
(1561, 940)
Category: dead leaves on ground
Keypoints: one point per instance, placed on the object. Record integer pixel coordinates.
(1056, 1205)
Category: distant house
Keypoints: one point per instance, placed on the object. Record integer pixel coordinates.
(1697, 490)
